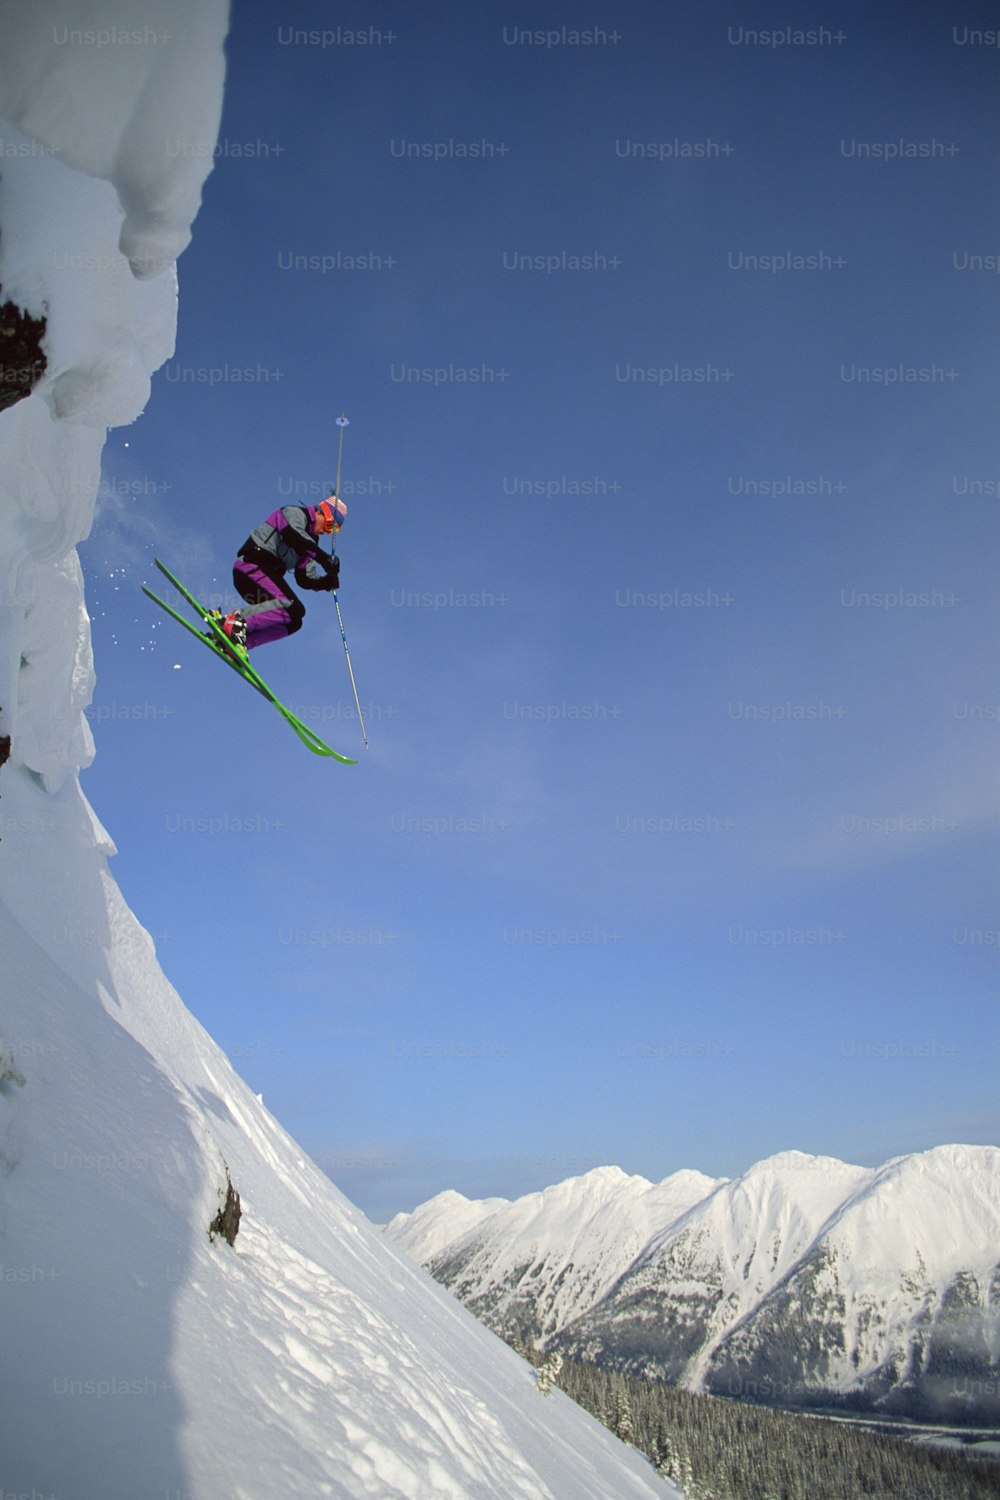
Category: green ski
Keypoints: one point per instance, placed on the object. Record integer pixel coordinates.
(219, 648)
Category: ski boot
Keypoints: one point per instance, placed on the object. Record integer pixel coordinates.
(234, 627)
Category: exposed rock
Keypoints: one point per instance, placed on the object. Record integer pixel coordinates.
(22, 359)
(227, 1220)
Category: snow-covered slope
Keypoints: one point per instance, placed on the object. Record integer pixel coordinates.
(702, 1275)
(140, 1357)
(536, 1264)
(898, 1299)
(805, 1281)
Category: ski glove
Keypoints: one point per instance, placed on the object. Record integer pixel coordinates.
(332, 580)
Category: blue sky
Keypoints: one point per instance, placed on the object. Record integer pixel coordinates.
(669, 581)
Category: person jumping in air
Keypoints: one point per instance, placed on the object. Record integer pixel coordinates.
(287, 542)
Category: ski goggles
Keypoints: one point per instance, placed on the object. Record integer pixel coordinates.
(332, 512)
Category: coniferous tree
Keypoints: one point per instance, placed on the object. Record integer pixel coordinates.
(548, 1371)
(686, 1480)
(623, 1425)
(520, 1347)
(664, 1454)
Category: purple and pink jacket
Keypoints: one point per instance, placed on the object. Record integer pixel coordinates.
(286, 542)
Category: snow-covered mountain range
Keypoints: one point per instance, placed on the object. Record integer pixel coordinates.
(805, 1282)
(141, 1356)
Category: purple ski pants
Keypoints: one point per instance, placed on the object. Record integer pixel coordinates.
(274, 612)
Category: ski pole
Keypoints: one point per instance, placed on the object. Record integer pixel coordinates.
(342, 422)
(343, 637)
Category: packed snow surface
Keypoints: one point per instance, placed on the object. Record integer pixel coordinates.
(142, 1358)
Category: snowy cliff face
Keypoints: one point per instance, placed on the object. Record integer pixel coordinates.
(106, 146)
(805, 1282)
(143, 1359)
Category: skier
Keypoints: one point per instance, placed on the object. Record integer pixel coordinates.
(288, 541)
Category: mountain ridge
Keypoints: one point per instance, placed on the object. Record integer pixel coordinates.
(806, 1279)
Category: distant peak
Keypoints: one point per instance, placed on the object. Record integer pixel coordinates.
(601, 1174)
(798, 1161)
(952, 1158)
(689, 1176)
(604, 1177)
